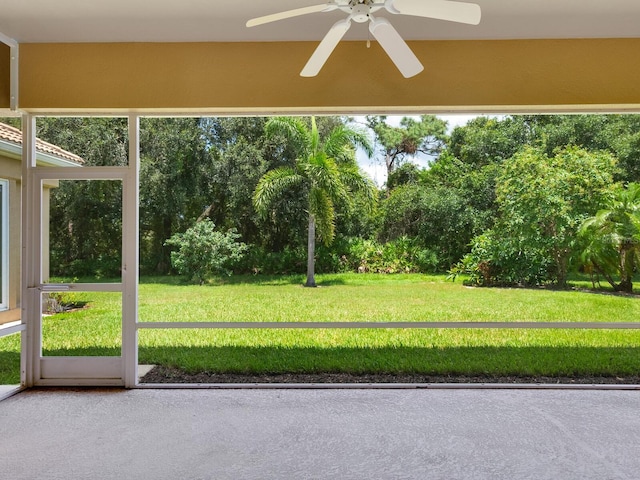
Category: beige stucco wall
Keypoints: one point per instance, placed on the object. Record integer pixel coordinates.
(10, 169)
(504, 75)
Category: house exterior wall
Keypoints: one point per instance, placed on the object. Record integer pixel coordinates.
(11, 170)
(483, 76)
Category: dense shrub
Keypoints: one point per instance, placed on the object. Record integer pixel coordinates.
(202, 251)
(403, 255)
(436, 218)
(542, 200)
(499, 261)
(102, 266)
(288, 261)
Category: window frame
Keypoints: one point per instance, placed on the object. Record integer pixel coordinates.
(4, 244)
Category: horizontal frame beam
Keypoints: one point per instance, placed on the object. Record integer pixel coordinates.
(407, 325)
(78, 368)
(11, 329)
(80, 287)
(471, 75)
(389, 386)
(84, 173)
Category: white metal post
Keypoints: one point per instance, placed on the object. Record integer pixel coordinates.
(15, 62)
(31, 344)
(130, 257)
(14, 66)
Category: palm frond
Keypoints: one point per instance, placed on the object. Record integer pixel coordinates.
(272, 185)
(358, 182)
(344, 136)
(611, 237)
(326, 165)
(599, 221)
(322, 208)
(293, 129)
(314, 137)
(323, 173)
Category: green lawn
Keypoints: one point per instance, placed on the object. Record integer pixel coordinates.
(96, 330)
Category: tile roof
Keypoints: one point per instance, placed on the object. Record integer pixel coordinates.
(13, 135)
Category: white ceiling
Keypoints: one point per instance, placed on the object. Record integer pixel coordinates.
(29, 21)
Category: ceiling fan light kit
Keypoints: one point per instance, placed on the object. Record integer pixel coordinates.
(360, 11)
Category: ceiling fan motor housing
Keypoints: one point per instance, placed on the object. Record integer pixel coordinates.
(360, 13)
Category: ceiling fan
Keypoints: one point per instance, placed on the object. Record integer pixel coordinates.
(360, 11)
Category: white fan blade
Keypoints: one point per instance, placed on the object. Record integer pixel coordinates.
(392, 43)
(325, 7)
(460, 12)
(326, 47)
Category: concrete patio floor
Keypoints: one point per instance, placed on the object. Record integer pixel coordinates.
(316, 434)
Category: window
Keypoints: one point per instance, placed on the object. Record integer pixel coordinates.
(4, 244)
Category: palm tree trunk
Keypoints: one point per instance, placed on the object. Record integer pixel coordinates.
(311, 251)
(626, 269)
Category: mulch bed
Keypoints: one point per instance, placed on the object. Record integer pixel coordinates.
(161, 374)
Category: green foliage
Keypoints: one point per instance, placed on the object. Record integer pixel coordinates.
(175, 184)
(241, 153)
(324, 166)
(484, 141)
(86, 216)
(412, 137)
(612, 238)
(542, 202)
(496, 261)
(616, 134)
(202, 251)
(437, 219)
(402, 255)
(58, 302)
(405, 174)
(261, 261)
(209, 168)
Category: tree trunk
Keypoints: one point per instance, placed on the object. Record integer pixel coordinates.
(562, 268)
(626, 270)
(163, 266)
(205, 214)
(625, 286)
(311, 251)
(388, 160)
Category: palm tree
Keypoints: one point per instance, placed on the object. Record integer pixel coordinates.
(613, 238)
(325, 166)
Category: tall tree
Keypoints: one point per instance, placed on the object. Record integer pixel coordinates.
(237, 148)
(412, 137)
(175, 171)
(487, 140)
(326, 170)
(543, 200)
(241, 153)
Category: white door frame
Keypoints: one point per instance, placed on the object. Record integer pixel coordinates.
(39, 370)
